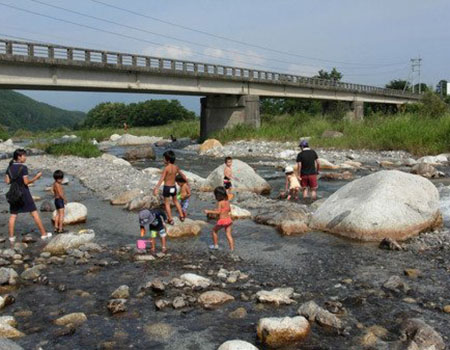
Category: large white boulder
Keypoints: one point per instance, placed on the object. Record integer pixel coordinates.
(277, 332)
(130, 140)
(114, 137)
(125, 197)
(387, 204)
(74, 213)
(244, 179)
(64, 242)
(237, 345)
(210, 144)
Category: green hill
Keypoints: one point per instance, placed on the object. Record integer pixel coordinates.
(18, 111)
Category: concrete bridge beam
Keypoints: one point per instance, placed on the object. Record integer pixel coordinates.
(226, 111)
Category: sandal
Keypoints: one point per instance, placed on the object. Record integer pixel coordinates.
(153, 251)
(164, 250)
(171, 222)
(182, 218)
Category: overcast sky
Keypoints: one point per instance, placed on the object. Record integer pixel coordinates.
(370, 42)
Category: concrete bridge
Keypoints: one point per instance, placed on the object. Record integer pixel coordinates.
(231, 94)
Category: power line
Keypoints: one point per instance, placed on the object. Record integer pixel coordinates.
(133, 38)
(242, 42)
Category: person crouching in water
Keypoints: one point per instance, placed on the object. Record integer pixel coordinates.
(170, 190)
(224, 212)
(60, 200)
(185, 193)
(155, 219)
(292, 183)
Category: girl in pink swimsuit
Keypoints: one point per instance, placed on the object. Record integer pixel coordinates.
(225, 222)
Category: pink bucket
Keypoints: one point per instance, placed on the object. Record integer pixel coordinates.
(141, 244)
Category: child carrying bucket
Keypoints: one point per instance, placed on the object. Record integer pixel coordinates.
(155, 219)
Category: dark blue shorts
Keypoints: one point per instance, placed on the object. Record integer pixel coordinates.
(59, 203)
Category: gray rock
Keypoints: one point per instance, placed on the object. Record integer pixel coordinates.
(423, 335)
(47, 206)
(315, 313)
(75, 318)
(32, 273)
(425, 170)
(162, 303)
(396, 284)
(278, 332)
(60, 244)
(123, 292)
(8, 276)
(6, 344)
(214, 298)
(117, 305)
(178, 303)
(277, 296)
(193, 280)
(237, 345)
(146, 152)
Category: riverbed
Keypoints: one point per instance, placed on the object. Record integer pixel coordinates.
(319, 266)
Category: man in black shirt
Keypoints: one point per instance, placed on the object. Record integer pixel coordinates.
(308, 168)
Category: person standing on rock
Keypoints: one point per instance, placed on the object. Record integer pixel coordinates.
(308, 169)
(17, 176)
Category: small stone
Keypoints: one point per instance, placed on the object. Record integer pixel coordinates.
(159, 330)
(409, 300)
(45, 255)
(277, 296)
(161, 303)
(396, 284)
(178, 303)
(390, 244)
(158, 286)
(278, 332)
(123, 292)
(239, 313)
(446, 309)
(144, 257)
(412, 273)
(212, 299)
(75, 318)
(117, 305)
(237, 345)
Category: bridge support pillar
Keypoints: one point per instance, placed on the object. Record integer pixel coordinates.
(356, 111)
(225, 111)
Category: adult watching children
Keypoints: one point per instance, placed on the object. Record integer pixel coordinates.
(308, 168)
(19, 196)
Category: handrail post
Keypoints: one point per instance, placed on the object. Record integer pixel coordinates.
(30, 50)
(172, 64)
(51, 52)
(87, 55)
(133, 61)
(70, 54)
(161, 64)
(9, 48)
(147, 62)
(119, 59)
(184, 67)
(104, 57)
(195, 68)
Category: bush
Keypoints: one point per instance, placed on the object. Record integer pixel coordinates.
(3, 134)
(83, 149)
(432, 106)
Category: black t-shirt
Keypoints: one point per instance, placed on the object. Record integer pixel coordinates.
(18, 170)
(307, 157)
(157, 225)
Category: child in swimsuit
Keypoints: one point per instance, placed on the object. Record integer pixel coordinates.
(170, 190)
(155, 220)
(228, 176)
(185, 193)
(60, 200)
(225, 222)
(292, 183)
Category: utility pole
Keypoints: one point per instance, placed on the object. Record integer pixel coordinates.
(415, 67)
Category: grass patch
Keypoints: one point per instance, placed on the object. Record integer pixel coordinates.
(410, 132)
(83, 149)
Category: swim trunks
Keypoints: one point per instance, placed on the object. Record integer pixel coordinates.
(169, 191)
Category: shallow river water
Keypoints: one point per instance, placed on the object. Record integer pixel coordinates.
(319, 266)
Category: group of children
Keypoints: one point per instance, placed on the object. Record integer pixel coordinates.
(172, 176)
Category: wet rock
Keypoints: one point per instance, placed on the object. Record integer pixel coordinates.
(277, 296)
(446, 309)
(442, 158)
(74, 213)
(326, 165)
(6, 300)
(239, 313)
(186, 228)
(61, 243)
(387, 204)
(6, 344)
(125, 197)
(288, 221)
(47, 206)
(117, 305)
(277, 332)
(335, 307)
(396, 284)
(158, 286)
(28, 239)
(315, 313)
(144, 257)
(195, 281)
(331, 134)
(412, 273)
(237, 345)
(76, 318)
(8, 276)
(423, 335)
(212, 299)
(67, 330)
(209, 145)
(32, 273)
(236, 213)
(131, 140)
(140, 153)
(7, 328)
(245, 179)
(4, 262)
(123, 292)
(162, 303)
(178, 303)
(143, 202)
(161, 331)
(372, 335)
(389, 244)
(177, 283)
(425, 170)
(8, 253)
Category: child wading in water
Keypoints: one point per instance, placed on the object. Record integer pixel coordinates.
(225, 222)
(185, 193)
(155, 219)
(228, 176)
(292, 183)
(60, 200)
(170, 190)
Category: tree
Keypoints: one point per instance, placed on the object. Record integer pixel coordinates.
(333, 75)
(397, 84)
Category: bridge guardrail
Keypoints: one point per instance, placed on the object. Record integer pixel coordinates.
(64, 54)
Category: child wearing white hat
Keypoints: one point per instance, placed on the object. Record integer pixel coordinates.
(292, 183)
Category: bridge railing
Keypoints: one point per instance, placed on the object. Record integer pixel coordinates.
(49, 53)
